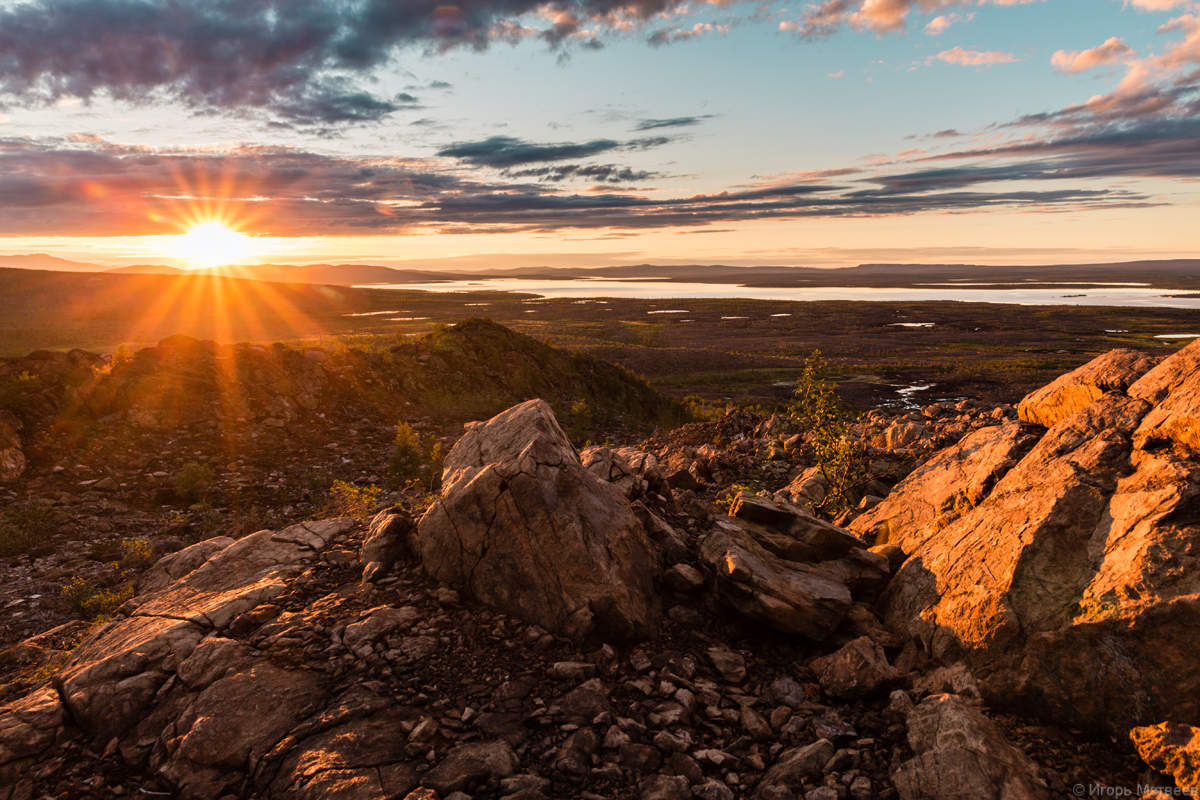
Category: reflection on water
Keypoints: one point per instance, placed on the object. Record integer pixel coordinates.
(650, 289)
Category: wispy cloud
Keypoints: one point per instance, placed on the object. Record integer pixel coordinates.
(973, 58)
(1113, 51)
(671, 122)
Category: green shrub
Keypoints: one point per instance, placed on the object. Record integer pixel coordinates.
(193, 481)
(840, 456)
(348, 500)
(726, 498)
(136, 553)
(89, 601)
(26, 530)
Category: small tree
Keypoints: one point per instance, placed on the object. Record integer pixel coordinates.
(840, 456)
(407, 453)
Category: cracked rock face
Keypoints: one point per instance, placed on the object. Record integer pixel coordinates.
(109, 683)
(524, 527)
(1068, 582)
(959, 754)
(1078, 389)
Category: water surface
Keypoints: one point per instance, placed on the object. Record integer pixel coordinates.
(653, 289)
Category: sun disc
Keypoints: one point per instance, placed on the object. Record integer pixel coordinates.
(212, 244)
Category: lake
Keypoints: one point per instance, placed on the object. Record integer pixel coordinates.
(651, 289)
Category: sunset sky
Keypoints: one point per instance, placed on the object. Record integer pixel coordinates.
(513, 132)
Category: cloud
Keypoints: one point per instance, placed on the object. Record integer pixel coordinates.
(837, 76)
(507, 151)
(280, 57)
(1073, 62)
(602, 173)
(96, 188)
(670, 35)
(973, 58)
(878, 16)
(942, 22)
(1156, 5)
(671, 122)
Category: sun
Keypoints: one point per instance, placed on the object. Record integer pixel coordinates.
(213, 244)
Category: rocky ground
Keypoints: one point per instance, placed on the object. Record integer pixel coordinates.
(997, 615)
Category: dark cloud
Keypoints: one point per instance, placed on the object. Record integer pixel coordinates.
(671, 122)
(336, 103)
(506, 151)
(270, 55)
(88, 187)
(602, 173)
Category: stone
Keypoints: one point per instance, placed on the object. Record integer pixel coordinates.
(797, 765)
(469, 763)
(1069, 394)
(789, 596)
(1172, 749)
(729, 665)
(665, 787)
(683, 578)
(902, 434)
(809, 488)
(858, 669)
(379, 623)
(523, 527)
(959, 754)
(386, 543)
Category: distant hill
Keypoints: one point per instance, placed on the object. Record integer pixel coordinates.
(43, 261)
(146, 269)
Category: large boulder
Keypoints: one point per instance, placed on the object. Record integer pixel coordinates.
(959, 754)
(1074, 584)
(1076, 390)
(523, 526)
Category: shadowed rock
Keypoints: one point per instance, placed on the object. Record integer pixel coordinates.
(959, 754)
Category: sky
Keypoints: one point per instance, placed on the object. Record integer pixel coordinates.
(497, 133)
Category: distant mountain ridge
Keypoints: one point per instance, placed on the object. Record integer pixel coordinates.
(1166, 274)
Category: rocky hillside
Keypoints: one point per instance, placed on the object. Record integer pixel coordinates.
(1011, 619)
(189, 439)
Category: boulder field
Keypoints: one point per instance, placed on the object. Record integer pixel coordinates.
(562, 624)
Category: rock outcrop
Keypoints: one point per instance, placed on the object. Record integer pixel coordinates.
(1076, 390)
(521, 525)
(959, 754)
(945, 487)
(1069, 582)
(1171, 749)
